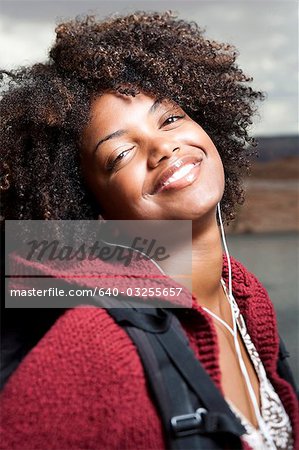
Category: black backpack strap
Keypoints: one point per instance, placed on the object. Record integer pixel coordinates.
(194, 413)
(283, 367)
(162, 383)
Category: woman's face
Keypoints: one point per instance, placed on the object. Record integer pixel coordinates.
(144, 159)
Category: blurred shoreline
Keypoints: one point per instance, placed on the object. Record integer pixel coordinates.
(271, 198)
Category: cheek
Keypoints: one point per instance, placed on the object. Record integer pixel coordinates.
(220, 169)
(217, 181)
(215, 177)
(122, 194)
(217, 169)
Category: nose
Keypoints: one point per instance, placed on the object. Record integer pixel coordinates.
(159, 150)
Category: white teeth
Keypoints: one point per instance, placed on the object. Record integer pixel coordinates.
(180, 173)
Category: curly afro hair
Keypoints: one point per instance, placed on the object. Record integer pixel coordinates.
(45, 107)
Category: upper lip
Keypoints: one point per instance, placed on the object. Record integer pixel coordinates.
(172, 168)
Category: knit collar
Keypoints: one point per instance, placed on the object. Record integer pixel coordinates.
(140, 273)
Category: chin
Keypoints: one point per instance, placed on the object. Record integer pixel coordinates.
(201, 206)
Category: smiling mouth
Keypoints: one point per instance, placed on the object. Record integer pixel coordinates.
(181, 174)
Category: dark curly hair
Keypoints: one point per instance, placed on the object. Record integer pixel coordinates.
(44, 108)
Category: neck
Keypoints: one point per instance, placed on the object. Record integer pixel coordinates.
(206, 267)
(207, 261)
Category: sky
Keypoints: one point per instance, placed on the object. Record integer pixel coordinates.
(264, 31)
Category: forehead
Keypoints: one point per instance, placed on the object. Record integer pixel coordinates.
(112, 105)
(112, 111)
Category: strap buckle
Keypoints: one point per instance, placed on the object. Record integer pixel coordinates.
(187, 424)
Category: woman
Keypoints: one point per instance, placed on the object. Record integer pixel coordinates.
(138, 117)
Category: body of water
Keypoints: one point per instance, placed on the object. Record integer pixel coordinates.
(274, 259)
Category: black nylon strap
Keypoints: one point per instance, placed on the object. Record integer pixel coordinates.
(150, 362)
(154, 320)
(192, 371)
(164, 381)
(171, 370)
(178, 399)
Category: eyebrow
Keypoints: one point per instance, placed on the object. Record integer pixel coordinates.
(119, 133)
(115, 134)
(154, 106)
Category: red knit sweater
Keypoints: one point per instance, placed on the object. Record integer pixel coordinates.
(83, 385)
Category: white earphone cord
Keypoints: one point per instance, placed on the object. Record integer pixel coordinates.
(262, 425)
(138, 251)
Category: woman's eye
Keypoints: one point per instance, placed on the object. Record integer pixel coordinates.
(119, 157)
(171, 119)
